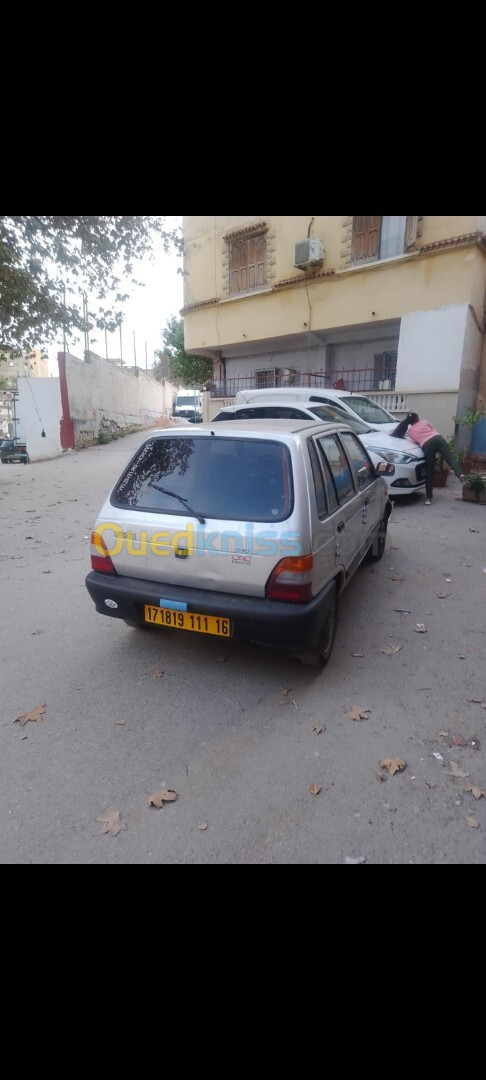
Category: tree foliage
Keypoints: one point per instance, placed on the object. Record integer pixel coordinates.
(190, 370)
(44, 259)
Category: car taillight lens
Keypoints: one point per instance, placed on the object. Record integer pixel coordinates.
(291, 580)
(102, 563)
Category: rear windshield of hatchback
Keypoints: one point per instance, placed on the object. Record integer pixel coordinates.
(213, 477)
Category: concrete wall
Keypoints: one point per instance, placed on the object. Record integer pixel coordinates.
(39, 409)
(430, 349)
(100, 398)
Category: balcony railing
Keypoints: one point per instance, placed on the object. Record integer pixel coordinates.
(355, 379)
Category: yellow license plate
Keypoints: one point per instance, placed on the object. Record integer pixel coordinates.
(185, 620)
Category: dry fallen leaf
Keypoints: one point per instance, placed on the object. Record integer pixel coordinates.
(203, 826)
(157, 673)
(36, 715)
(318, 728)
(420, 628)
(358, 713)
(455, 770)
(390, 649)
(119, 720)
(394, 764)
(160, 797)
(358, 654)
(471, 821)
(445, 734)
(112, 823)
(314, 789)
(476, 791)
(397, 577)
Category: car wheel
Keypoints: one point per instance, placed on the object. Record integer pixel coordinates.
(377, 549)
(320, 656)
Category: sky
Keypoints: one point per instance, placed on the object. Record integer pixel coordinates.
(145, 313)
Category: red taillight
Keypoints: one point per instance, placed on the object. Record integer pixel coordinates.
(291, 580)
(100, 562)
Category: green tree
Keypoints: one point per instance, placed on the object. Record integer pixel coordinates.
(40, 257)
(190, 370)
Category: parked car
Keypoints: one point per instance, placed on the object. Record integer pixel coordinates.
(189, 406)
(13, 450)
(251, 533)
(406, 456)
(357, 405)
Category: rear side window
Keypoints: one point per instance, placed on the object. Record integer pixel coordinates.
(368, 410)
(260, 412)
(360, 462)
(279, 412)
(217, 477)
(223, 416)
(336, 459)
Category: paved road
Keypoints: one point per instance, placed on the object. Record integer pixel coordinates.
(235, 739)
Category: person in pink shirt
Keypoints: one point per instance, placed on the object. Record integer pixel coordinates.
(422, 433)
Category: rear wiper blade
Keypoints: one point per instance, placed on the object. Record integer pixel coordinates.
(165, 491)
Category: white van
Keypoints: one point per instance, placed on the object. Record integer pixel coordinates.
(189, 405)
(357, 405)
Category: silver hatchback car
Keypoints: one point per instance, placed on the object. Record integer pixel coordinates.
(244, 530)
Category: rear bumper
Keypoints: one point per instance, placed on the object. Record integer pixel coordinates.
(294, 628)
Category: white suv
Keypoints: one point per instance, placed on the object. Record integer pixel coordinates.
(251, 533)
(357, 405)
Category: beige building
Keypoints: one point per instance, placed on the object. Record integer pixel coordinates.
(391, 306)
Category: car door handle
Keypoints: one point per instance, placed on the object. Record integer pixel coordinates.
(340, 526)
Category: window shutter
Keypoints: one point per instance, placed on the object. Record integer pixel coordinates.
(239, 266)
(248, 263)
(410, 232)
(366, 238)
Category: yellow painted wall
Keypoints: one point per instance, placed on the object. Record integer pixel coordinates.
(390, 290)
(204, 245)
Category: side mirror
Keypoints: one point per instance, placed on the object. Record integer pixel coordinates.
(385, 469)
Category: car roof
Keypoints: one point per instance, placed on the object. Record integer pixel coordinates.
(272, 403)
(241, 428)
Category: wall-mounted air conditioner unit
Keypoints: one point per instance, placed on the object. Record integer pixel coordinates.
(309, 253)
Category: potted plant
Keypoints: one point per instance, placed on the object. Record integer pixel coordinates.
(474, 489)
(468, 420)
(441, 468)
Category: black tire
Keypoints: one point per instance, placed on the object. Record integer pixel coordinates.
(320, 656)
(377, 549)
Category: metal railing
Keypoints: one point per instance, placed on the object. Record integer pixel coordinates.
(354, 379)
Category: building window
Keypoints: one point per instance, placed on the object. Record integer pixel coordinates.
(377, 238)
(264, 378)
(247, 258)
(385, 371)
